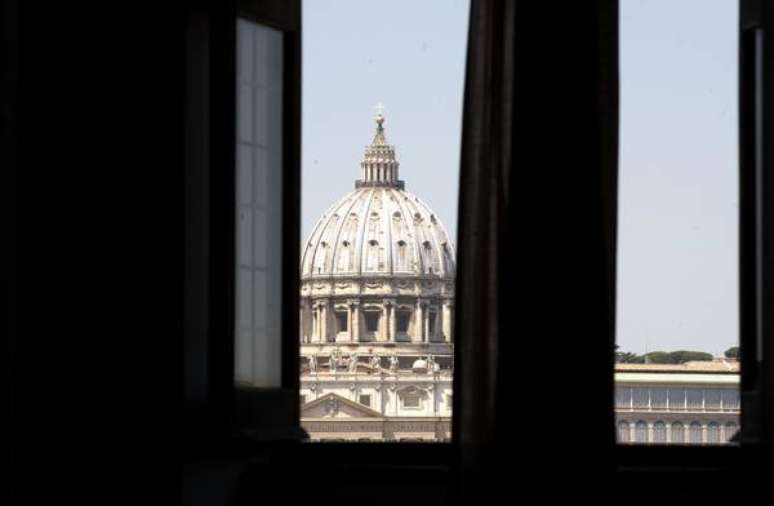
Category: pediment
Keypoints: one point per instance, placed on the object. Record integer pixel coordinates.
(335, 406)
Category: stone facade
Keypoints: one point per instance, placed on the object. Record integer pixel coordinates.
(377, 302)
(693, 403)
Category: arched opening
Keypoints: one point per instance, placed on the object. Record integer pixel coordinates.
(678, 433)
(623, 431)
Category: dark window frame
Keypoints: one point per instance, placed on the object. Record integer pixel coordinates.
(217, 409)
(213, 280)
(696, 464)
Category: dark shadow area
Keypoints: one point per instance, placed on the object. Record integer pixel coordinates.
(122, 384)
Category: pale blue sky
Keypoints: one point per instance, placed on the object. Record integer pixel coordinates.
(678, 186)
(678, 203)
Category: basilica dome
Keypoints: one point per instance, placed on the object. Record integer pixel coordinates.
(376, 311)
(379, 229)
(378, 268)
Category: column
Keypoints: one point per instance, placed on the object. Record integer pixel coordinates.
(448, 323)
(355, 322)
(315, 323)
(301, 335)
(418, 325)
(426, 324)
(323, 321)
(351, 318)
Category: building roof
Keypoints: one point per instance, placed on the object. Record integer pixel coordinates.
(716, 372)
(379, 228)
(714, 366)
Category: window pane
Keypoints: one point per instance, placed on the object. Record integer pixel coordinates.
(640, 397)
(623, 397)
(730, 399)
(259, 205)
(676, 399)
(677, 267)
(694, 398)
(379, 210)
(712, 399)
(658, 398)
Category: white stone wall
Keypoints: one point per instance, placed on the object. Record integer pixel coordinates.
(386, 396)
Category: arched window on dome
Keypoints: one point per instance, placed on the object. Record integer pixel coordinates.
(372, 256)
(401, 257)
(447, 256)
(427, 256)
(344, 263)
(321, 258)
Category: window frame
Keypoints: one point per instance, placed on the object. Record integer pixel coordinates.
(215, 354)
(756, 282)
(221, 409)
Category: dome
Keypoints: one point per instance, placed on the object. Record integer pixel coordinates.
(379, 228)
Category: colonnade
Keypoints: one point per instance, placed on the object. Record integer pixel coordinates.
(430, 321)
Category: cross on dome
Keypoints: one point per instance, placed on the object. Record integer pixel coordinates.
(379, 166)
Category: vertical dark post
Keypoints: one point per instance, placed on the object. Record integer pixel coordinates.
(756, 255)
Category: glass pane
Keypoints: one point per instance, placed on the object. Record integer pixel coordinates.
(259, 205)
(677, 279)
(379, 209)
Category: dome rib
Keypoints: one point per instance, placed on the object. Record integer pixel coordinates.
(310, 248)
(433, 228)
(387, 231)
(360, 247)
(382, 194)
(408, 218)
(387, 221)
(337, 240)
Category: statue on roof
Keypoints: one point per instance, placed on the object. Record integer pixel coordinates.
(353, 359)
(376, 364)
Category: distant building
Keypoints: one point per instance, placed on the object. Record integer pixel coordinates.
(691, 403)
(377, 296)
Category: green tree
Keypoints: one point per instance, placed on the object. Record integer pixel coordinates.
(626, 357)
(659, 357)
(732, 352)
(677, 357)
(683, 356)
